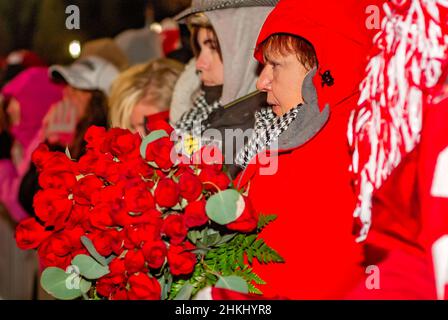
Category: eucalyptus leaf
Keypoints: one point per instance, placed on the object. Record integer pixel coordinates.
(194, 235)
(163, 293)
(89, 268)
(60, 284)
(185, 292)
(234, 283)
(225, 206)
(153, 136)
(85, 285)
(202, 251)
(212, 239)
(91, 248)
(226, 238)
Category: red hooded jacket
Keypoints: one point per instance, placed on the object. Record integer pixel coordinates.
(311, 191)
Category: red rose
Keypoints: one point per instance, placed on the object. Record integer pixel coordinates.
(139, 234)
(195, 214)
(55, 251)
(57, 179)
(213, 180)
(117, 243)
(159, 121)
(174, 227)
(111, 196)
(155, 253)
(167, 193)
(100, 217)
(138, 199)
(53, 207)
(124, 218)
(248, 220)
(41, 156)
(113, 284)
(209, 156)
(86, 188)
(159, 151)
(138, 167)
(105, 287)
(59, 249)
(190, 186)
(134, 261)
(57, 172)
(143, 287)
(122, 142)
(181, 262)
(119, 294)
(30, 234)
(88, 162)
(95, 137)
(79, 217)
(102, 241)
(96, 163)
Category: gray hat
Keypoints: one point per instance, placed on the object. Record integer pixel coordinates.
(210, 5)
(89, 73)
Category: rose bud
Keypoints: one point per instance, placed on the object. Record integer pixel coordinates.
(155, 253)
(195, 214)
(167, 193)
(190, 186)
(134, 261)
(30, 234)
(181, 260)
(143, 287)
(174, 227)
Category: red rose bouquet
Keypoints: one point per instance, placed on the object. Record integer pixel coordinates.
(133, 219)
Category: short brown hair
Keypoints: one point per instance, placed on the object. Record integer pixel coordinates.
(195, 23)
(283, 44)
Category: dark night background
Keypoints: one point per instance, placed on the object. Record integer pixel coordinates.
(39, 25)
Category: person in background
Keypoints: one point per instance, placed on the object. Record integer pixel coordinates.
(28, 96)
(87, 84)
(18, 61)
(17, 267)
(107, 49)
(227, 73)
(141, 45)
(141, 91)
(60, 122)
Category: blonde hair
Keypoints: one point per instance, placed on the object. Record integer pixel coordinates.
(154, 80)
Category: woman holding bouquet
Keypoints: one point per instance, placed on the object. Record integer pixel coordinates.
(313, 63)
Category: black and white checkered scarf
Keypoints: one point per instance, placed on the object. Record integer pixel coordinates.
(268, 127)
(194, 121)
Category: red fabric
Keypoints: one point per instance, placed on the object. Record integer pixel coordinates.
(408, 217)
(311, 191)
(312, 197)
(171, 40)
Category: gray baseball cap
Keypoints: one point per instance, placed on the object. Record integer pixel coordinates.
(89, 73)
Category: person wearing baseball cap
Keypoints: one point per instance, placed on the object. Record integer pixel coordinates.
(89, 81)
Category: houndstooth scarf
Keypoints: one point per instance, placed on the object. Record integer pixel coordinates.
(268, 127)
(195, 120)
